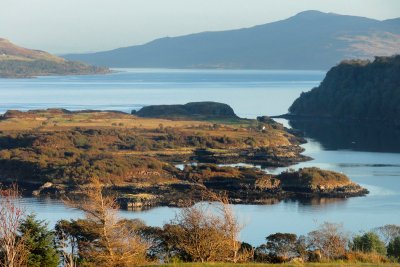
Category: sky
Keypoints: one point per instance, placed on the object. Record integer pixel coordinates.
(70, 26)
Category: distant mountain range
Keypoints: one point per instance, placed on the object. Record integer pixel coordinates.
(19, 62)
(308, 40)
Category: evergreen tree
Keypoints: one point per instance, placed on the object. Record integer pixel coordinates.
(394, 248)
(39, 242)
(369, 242)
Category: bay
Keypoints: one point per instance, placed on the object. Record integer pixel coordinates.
(251, 93)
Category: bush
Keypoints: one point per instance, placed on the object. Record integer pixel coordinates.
(369, 243)
(357, 256)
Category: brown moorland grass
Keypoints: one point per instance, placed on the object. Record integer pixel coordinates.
(53, 120)
(59, 145)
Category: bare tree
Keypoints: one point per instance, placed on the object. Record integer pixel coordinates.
(117, 243)
(67, 246)
(200, 234)
(13, 252)
(329, 239)
(231, 227)
(388, 232)
(209, 232)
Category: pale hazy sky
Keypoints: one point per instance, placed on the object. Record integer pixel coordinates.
(62, 26)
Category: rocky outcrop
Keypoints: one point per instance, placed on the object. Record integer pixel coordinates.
(322, 182)
(242, 185)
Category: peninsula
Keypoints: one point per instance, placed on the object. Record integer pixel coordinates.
(360, 90)
(56, 151)
(19, 62)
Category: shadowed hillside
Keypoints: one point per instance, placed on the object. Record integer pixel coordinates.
(355, 89)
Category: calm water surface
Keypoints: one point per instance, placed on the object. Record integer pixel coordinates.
(365, 158)
(250, 93)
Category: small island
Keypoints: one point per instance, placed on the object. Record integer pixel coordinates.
(193, 110)
(19, 62)
(355, 90)
(55, 151)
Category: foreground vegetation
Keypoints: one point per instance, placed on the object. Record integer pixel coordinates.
(338, 264)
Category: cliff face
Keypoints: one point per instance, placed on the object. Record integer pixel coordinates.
(355, 89)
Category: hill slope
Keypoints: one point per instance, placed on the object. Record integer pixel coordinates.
(355, 89)
(19, 62)
(309, 40)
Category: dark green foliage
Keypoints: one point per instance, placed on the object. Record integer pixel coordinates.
(355, 90)
(40, 242)
(393, 249)
(369, 242)
(282, 246)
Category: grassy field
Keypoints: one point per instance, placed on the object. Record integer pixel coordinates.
(54, 120)
(339, 264)
(48, 121)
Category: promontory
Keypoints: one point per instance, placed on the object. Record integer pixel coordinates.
(160, 161)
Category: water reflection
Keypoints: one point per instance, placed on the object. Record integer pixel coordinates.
(320, 202)
(357, 136)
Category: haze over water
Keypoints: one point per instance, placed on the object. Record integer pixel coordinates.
(250, 93)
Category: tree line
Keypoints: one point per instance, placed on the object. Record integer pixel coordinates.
(200, 233)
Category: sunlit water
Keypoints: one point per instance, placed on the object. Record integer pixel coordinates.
(250, 93)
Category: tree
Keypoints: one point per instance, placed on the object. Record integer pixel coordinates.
(282, 245)
(388, 232)
(369, 242)
(113, 242)
(13, 252)
(39, 241)
(329, 239)
(393, 249)
(207, 233)
(66, 242)
(232, 229)
(200, 234)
